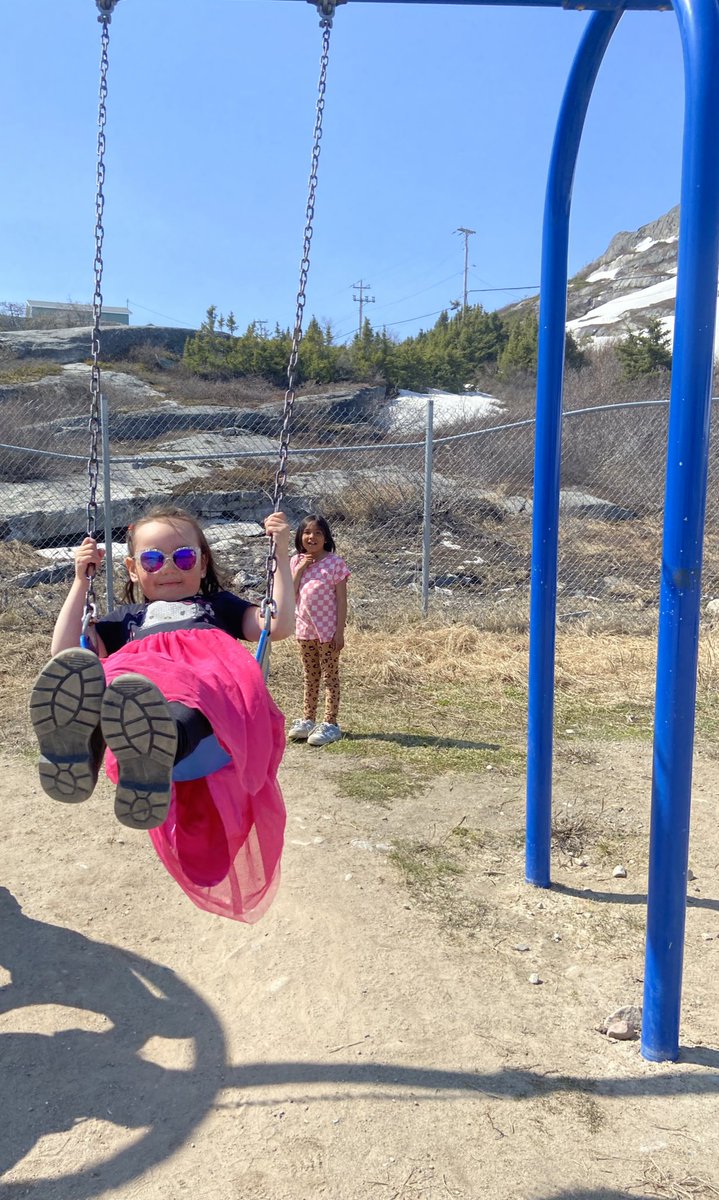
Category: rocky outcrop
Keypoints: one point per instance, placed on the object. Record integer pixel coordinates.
(74, 345)
(632, 281)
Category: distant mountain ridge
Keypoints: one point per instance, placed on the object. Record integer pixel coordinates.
(634, 279)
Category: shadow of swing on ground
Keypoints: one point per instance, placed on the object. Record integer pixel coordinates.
(57, 1079)
(418, 739)
(74, 1075)
(588, 893)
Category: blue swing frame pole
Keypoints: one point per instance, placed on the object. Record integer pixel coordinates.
(548, 441)
(685, 503)
(685, 496)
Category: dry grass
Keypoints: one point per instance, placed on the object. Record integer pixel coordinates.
(433, 697)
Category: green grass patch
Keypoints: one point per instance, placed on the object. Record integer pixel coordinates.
(28, 372)
(425, 867)
(379, 783)
(432, 873)
(589, 718)
(468, 839)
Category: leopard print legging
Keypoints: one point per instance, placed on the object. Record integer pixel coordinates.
(318, 659)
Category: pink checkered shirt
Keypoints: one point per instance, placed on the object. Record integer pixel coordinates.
(316, 607)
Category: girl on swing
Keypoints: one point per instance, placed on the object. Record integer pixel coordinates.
(168, 674)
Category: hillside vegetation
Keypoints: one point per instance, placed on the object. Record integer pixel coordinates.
(459, 351)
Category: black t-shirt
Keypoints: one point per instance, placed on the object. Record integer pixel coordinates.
(130, 622)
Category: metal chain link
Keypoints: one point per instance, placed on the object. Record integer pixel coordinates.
(326, 9)
(105, 7)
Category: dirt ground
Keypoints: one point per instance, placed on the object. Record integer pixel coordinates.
(376, 1035)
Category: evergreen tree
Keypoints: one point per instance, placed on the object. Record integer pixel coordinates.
(520, 352)
(646, 351)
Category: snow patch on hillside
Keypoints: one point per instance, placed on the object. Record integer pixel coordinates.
(409, 410)
(613, 310)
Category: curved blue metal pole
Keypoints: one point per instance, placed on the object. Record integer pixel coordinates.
(547, 452)
(685, 501)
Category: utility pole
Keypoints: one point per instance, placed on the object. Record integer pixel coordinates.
(362, 299)
(467, 234)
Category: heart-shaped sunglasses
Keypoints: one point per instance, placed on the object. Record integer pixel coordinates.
(185, 558)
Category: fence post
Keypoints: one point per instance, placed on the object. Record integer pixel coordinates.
(107, 501)
(427, 521)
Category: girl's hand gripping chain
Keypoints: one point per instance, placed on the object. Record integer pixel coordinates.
(68, 626)
(283, 623)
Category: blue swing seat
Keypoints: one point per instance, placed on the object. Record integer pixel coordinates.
(207, 757)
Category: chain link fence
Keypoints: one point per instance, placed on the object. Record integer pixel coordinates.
(453, 541)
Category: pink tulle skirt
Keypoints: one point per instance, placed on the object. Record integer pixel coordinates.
(222, 839)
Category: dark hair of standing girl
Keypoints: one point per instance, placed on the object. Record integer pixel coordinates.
(321, 522)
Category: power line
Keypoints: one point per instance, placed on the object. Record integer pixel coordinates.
(182, 324)
(429, 288)
(530, 287)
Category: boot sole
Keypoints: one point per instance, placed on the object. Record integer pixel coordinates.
(65, 711)
(141, 732)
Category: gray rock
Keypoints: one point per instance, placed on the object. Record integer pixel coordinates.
(74, 345)
(592, 508)
(625, 1024)
(57, 573)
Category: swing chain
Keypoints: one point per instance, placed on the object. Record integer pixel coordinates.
(326, 8)
(94, 422)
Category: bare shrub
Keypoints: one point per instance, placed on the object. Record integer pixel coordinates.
(373, 505)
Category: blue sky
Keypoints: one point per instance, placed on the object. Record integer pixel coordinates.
(437, 116)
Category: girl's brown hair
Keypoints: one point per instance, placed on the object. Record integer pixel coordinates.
(211, 581)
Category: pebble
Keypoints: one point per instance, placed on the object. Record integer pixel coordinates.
(625, 1024)
(534, 978)
(621, 1031)
(620, 872)
(521, 946)
(690, 876)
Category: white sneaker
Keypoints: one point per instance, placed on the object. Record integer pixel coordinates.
(300, 730)
(324, 734)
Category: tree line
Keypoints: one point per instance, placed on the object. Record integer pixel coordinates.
(459, 351)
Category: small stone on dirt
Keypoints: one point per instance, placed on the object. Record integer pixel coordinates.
(690, 876)
(534, 978)
(620, 872)
(625, 1024)
(521, 946)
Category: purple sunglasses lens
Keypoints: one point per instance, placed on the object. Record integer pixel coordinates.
(154, 560)
(185, 558)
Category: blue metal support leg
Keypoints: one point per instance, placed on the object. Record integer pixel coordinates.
(686, 483)
(547, 455)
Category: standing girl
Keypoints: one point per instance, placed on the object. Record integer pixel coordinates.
(168, 674)
(320, 579)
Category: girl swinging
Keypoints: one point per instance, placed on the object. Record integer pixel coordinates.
(169, 672)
